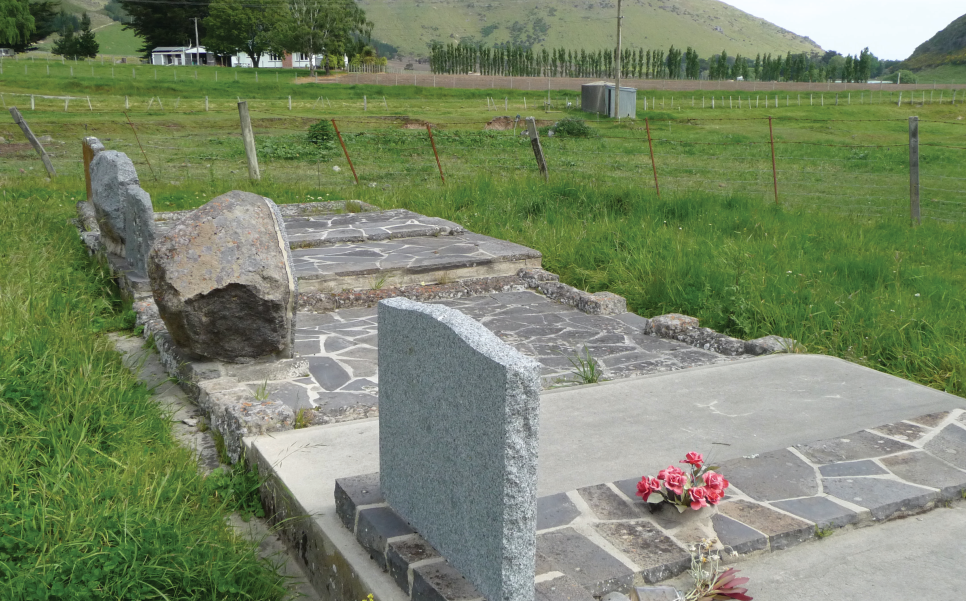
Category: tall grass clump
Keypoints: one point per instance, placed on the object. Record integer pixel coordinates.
(97, 501)
(872, 290)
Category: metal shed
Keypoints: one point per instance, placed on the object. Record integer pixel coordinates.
(599, 97)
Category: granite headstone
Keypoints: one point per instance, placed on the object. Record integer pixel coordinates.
(458, 417)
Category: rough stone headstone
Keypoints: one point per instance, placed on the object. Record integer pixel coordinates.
(91, 147)
(139, 227)
(224, 282)
(111, 173)
(458, 413)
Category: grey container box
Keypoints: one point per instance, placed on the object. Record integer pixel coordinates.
(599, 97)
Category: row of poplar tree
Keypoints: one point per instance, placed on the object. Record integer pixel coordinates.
(519, 61)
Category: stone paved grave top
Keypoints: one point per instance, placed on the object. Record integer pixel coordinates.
(341, 347)
(339, 251)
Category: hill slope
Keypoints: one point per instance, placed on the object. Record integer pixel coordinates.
(708, 25)
(948, 47)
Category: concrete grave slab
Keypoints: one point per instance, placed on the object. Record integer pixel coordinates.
(458, 442)
(716, 404)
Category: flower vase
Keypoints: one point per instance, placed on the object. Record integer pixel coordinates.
(668, 517)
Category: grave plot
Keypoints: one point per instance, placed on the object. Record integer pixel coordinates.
(345, 257)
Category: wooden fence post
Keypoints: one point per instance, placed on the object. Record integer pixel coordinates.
(650, 146)
(537, 148)
(249, 138)
(345, 151)
(18, 119)
(436, 154)
(914, 170)
(774, 170)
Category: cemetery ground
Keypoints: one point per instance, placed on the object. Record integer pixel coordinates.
(843, 280)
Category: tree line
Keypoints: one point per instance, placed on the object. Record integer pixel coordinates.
(509, 60)
(331, 28)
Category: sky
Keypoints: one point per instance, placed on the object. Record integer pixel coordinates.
(890, 28)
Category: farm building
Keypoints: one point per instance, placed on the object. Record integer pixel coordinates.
(181, 55)
(185, 55)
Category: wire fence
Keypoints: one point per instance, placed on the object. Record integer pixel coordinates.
(855, 166)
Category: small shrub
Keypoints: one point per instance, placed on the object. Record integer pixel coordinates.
(573, 128)
(321, 133)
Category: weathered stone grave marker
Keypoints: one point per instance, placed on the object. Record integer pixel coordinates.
(224, 282)
(91, 148)
(458, 442)
(125, 215)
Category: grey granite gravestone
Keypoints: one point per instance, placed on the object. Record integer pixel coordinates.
(458, 415)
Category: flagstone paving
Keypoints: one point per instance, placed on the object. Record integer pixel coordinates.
(341, 349)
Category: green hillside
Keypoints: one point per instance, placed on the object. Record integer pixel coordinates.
(948, 47)
(708, 25)
(112, 38)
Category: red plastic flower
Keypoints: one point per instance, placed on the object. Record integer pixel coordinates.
(713, 495)
(675, 481)
(699, 496)
(646, 486)
(663, 474)
(695, 459)
(716, 481)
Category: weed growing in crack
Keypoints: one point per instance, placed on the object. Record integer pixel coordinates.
(586, 368)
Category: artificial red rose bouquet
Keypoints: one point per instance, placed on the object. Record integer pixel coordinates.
(699, 486)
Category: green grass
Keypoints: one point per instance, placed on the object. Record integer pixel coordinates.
(412, 25)
(869, 289)
(116, 41)
(943, 74)
(97, 501)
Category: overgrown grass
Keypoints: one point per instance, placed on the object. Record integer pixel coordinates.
(869, 289)
(96, 499)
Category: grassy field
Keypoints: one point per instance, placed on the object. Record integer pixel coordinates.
(944, 74)
(833, 151)
(412, 25)
(834, 265)
(97, 501)
(115, 41)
